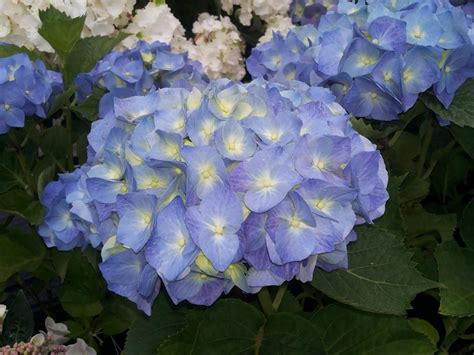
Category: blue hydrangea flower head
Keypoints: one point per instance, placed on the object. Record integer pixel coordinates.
(383, 54)
(27, 88)
(204, 189)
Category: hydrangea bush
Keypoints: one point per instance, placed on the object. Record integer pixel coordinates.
(377, 58)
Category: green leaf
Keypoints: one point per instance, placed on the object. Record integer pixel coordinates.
(350, 332)
(19, 203)
(229, 326)
(417, 222)
(87, 52)
(61, 31)
(424, 327)
(44, 177)
(381, 277)
(392, 219)
(10, 172)
(119, 313)
(287, 333)
(414, 188)
(467, 224)
(182, 342)
(19, 252)
(19, 323)
(463, 136)
(401, 157)
(7, 50)
(89, 109)
(461, 110)
(366, 128)
(60, 101)
(83, 288)
(147, 333)
(455, 266)
(53, 142)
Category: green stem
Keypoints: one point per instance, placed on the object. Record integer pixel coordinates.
(455, 329)
(424, 150)
(434, 161)
(70, 154)
(395, 138)
(279, 297)
(30, 184)
(265, 301)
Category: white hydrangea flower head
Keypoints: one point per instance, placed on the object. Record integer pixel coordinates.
(154, 23)
(265, 9)
(218, 46)
(19, 19)
(279, 24)
(3, 314)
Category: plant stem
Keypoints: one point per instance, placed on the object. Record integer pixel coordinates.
(424, 150)
(70, 153)
(30, 185)
(279, 297)
(265, 301)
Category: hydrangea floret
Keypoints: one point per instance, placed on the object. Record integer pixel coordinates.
(203, 188)
(376, 57)
(26, 88)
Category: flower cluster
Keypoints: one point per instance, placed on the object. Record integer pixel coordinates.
(26, 88)
(201, 190)
(217, 44)
(138, 71)
(308, 12)
(19, 19)
(377, 58)
(50, 342)
(263, 9)
(155, 23)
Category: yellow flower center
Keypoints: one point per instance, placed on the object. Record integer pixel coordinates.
(294, 222)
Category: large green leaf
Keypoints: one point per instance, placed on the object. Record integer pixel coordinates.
(347, 331)
(392, 219)
(182, 342)
(119, 313)
(19, 203)
(86, 53)
(19, 252)
(417, 222)
(61, 31)
(10, 172)
(464, 136)
(231, 326)
(19, 322)
(83, 288)
(461, 110)
(228, 327)
(455, 266)
(467, 224)
(287, 333)
(381, 277)
(148, 333)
